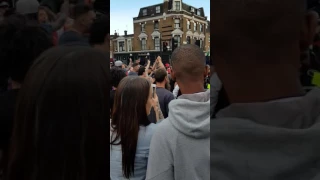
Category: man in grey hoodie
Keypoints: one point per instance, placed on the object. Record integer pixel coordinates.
(180, 147)
(271, 129)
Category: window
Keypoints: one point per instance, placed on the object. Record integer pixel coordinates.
(144, 12)
(129, 45)
(144, 44)
(177, 23)
(192, 9)
(156, 25)
(177, 40)
(198, 12)
(195, 26)
(142, 27)
(115, 46)
(177, 5)
(121, 46)
(200, 27)
(188, 25)
(157, 43)
(158, 9)
(188, 40)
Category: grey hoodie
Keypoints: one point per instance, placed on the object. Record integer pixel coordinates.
(180, 147)
(278, 140)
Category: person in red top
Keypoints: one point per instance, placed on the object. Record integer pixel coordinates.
(168, 68)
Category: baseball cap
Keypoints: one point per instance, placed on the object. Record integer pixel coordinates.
(118, 63)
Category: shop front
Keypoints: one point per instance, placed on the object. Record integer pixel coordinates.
(143, 56)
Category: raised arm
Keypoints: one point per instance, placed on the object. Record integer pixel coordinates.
(147, 67)
(62, 17)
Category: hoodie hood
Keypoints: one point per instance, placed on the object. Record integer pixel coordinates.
(292, 113)
(190, 114)
(271, 140)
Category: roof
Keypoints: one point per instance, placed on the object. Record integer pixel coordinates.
(151, 10)
(187, 7)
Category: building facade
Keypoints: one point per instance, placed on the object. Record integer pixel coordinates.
(161, 28)
(121, 46)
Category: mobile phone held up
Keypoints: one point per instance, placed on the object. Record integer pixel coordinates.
(153, 90)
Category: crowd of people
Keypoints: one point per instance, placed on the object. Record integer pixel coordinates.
(154, 131)
(140, 149)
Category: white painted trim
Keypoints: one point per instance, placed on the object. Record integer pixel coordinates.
(168, 15)
(177, 32)
(118, 42)
(155, 34)
(143, 35)
(129, 40)
(146, 51)
(120, 38)
(189, 33)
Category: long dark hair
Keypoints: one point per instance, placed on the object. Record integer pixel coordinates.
(129, 112)
(61, 127)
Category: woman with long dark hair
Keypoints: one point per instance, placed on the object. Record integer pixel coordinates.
(62, 118)
(131, 131)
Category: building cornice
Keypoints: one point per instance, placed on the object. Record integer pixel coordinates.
(168, 15)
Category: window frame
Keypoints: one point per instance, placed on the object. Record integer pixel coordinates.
(175, 23)
(158, 8)
(178, 40)
(157, 39)
(122, 48)
(129, 44)
(143, 46)
(198, 12)
(154, 26)
(144, 12)
(177, 4)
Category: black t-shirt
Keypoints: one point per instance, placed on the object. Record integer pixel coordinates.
(164, 97)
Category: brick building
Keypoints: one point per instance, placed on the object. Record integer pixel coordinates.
(162, 27)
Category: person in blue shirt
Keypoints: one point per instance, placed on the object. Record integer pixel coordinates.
(131, 131)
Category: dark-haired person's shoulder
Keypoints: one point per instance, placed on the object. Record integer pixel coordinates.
(7, 104)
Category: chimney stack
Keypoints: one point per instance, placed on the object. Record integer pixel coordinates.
(115, 33)
(165, 6)
(125, 32)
